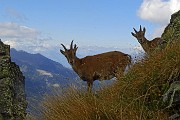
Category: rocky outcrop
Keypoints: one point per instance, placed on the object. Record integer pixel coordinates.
(12, 87)
(172, 31)
(172, 96)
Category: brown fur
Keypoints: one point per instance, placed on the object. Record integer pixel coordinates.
(98, 67)
(148, 46)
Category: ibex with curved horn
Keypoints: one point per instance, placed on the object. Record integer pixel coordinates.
(98, 67)
(148, 46)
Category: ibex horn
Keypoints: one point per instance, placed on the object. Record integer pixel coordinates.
(140, 28)
(64, 47)
(71, 47)
(135, 30)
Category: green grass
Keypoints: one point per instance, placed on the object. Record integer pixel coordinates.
(135, 96)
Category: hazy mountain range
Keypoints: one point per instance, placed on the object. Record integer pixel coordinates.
(38, 69)
(41, 74)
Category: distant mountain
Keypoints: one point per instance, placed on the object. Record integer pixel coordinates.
(41, 74)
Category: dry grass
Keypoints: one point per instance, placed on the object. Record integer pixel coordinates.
(135, 96)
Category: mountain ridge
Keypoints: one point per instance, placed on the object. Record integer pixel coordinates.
(42, 75)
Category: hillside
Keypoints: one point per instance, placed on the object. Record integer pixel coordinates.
(138, 95)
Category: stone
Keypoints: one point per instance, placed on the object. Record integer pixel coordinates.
(172, 31)
(172, 97)
(12, 87)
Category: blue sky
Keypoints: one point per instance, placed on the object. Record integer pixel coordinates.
(89, 22)
(41, 26)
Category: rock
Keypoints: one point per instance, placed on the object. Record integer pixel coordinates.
(172, 96)
(172, 31)
(12, 87)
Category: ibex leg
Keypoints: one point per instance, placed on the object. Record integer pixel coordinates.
(90, 84)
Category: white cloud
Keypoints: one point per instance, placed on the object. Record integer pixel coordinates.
(174, 5)
(158, 11)
(13, 44)
(16, 31)
(158, 31)
(23, 37)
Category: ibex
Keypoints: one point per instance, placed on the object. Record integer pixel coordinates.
(148, 46)
(103, 66)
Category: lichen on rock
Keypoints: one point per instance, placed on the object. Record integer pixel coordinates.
(172, 96)
(12, 87)
(172, 31)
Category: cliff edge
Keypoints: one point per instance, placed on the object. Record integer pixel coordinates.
(12, 87)
(172, 31)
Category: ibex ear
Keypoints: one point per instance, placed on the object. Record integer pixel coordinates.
(133, 34)
(62, 52)
(75, 47)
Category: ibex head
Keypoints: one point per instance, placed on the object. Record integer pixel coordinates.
(70, 54)
(139, 34)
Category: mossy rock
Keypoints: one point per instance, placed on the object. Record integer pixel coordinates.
(172, 31)
(1, 118)
(5, 73)
(12, 94)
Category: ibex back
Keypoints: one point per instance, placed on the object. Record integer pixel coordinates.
(98, 67)
(148, 46)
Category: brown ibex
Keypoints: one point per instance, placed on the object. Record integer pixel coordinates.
(148, 46)
(98, 67)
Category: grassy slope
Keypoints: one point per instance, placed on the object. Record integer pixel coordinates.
(137, 95)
